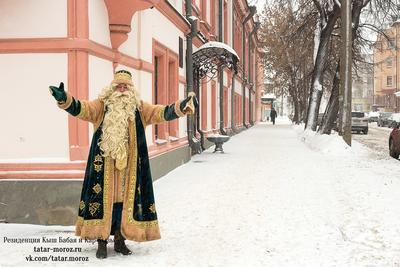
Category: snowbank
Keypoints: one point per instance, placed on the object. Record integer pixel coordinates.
(332, 144)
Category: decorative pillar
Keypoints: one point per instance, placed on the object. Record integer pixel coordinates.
(120, 13)
(78, 27)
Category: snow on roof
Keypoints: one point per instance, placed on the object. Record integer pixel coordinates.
(219, 45)
(269, 95)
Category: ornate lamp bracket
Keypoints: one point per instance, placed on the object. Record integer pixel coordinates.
(211, 57)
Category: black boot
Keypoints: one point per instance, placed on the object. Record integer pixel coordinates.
(119, 244)
(101, 249)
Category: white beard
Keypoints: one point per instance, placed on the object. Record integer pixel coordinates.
(121, 108)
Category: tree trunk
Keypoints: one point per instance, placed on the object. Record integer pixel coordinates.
(296, 117)
(303, 93)
(301, 108)
(332, 109)
(295, 101)
(320, 60)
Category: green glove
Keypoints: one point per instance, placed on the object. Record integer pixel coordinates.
(189, 103)
(195, 102)
(58, 93)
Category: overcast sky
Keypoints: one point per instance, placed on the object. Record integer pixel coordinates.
(258, 3)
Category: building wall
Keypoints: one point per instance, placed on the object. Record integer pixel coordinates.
(98, 23)
(32, 20)
(31, 118)
(27, 77)
(386, 70)
(100, 75)
(362, 87)
(383, 70)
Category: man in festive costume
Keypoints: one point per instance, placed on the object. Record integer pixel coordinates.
(117, 194)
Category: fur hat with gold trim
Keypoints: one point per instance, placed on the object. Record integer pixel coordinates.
(122, 76)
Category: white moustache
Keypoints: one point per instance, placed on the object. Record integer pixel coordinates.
(120, 94)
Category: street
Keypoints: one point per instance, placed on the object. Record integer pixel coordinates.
(377, 140)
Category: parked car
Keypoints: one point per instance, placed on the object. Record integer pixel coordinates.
(373, 116)
(393, 119)
(394, 142)
(359, 123)
(383, 119)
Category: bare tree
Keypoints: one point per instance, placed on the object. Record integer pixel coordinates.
(329, 12)
(302, 39)
(284, 35)
(366, 15)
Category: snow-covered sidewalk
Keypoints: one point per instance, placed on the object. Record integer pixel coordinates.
(277, 197)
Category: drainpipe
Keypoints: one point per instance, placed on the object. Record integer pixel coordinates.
(233, 127)
(189, 71)
(253, 11)
(196, 83)
(256, 27)
(221, 74)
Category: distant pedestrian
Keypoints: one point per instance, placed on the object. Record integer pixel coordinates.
(273, 115)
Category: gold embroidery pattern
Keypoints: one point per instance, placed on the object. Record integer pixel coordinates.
(81, 205)
(98, 163)
(132, 184)
(93, 207)
(152, 208)
(97, 188)
(84, 111)
(123, 181)
(106, 191)
(146, 224)
(132, 174)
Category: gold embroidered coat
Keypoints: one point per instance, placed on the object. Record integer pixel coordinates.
(139, 218)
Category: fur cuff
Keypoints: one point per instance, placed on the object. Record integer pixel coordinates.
(177, 108)
(83, 114)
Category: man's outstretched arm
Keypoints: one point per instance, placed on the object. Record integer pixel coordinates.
(86, 110)
(154, 114)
